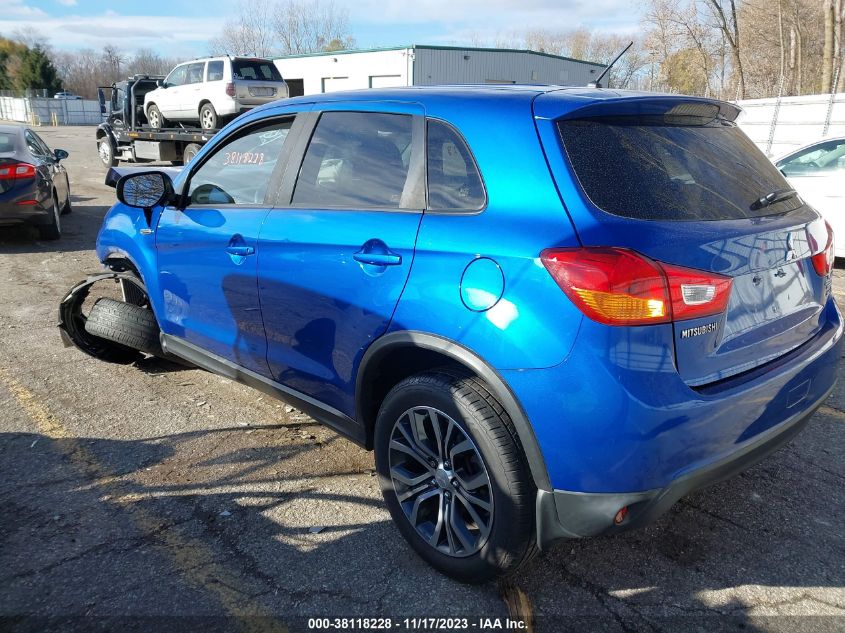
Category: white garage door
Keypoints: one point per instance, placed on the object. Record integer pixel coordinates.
(330, 84)
(385, 81)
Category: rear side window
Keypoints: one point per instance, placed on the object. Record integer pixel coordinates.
(356, 160)
(215, 71)
(7, 143)
(454, 183)
(194, 73)
(255, 69)
(671, 168)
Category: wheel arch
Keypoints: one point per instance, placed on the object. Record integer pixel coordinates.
(398, 355)
(202, 103)
(123, 256)
(105, 132)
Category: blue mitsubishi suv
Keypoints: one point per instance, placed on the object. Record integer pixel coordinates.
(552, 312)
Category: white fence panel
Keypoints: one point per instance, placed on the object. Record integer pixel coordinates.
(41, 111)
(798, 121)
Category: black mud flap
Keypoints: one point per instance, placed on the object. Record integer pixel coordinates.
(72, 320)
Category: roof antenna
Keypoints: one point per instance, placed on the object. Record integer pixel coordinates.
(597, 82)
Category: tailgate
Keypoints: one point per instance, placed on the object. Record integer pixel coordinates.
(675, 180)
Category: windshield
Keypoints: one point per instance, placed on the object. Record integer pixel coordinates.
(672, 168)
(255, 69)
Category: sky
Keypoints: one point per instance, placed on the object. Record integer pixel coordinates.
(182, 28)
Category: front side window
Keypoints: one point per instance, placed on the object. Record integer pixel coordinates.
(215, 70)
(239, 171)
(42, 144)
(177, 76)
(194, 73)
(454, 183)
(815, 161)
(356, 160)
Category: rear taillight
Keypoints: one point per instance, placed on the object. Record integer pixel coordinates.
(617, 286)
(823, 257)
(230, 89)
(13, 171)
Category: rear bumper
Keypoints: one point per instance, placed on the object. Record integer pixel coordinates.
(616, 417)
(565, 514)
(12, 214)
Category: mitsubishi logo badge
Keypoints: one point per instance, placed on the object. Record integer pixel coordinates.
(790, 251)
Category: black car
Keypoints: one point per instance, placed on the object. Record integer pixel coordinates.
(34, 186)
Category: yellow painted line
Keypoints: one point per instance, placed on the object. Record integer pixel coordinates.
(832, 412)
(190, 556)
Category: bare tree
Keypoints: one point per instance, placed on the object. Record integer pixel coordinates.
(684, 49)
(729, 25)
(250, 33)
(303, 26)
(832, 11)
(147, 62)
(290, 27)
(31, 38)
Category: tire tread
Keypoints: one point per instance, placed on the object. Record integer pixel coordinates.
(130, 325)
(472, 393)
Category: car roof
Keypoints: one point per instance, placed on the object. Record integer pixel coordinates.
(555, 100)
(222, 58)
(422, 93)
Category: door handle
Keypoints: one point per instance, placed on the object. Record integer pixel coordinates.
(241, 251)
(378, 259)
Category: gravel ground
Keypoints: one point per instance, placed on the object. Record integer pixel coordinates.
(152, 497)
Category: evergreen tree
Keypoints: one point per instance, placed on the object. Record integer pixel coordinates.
(9, 61)
(36, 71)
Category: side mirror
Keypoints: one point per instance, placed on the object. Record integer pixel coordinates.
(145, 190)
(60, 154)
(160, 83)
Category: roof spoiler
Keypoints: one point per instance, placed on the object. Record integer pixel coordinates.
(668, 106)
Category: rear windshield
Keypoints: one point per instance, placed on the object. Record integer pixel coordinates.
(255, 69)
(7, 143)
(672, 168)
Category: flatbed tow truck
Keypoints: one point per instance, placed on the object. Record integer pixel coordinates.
(126, 136)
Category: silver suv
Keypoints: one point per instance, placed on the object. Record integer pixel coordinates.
(211, 89)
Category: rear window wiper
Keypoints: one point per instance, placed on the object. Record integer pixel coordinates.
(771, 198)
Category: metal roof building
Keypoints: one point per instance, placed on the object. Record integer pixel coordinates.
(420, 65)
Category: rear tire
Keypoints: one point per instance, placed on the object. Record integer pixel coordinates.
(488, 523)
(208, 117)
(53, 229)
(129, 325)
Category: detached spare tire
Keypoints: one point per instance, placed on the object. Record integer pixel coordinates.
(129, 325)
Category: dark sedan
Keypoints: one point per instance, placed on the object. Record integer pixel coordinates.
(34, 186)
